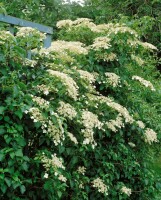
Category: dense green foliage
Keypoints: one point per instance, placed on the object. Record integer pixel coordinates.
(78, 120)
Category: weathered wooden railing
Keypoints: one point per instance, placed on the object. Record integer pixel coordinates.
(13, 21)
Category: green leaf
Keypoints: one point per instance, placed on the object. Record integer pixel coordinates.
(8, 181)
(25, 166)
(2, 109)
(1, 156)
(22, 189)
(19, 153)
(19, 114)
(59, 193)
(3, 188)
(2, 130)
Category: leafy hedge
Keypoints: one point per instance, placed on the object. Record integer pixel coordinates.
(78, 121)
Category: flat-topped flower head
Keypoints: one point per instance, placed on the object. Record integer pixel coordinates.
(126, 190)
(150, 136)
(144, 82)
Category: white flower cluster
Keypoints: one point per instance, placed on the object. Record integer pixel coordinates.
(87, 76)
(101, 28)
(64, 46)
(81, 170)
(64, 23)
(119, 108)
(111, 28)
(131, 144)
(43, 88)
(36, 115)
(78, 22)
(98, 183)
(122, 110)
(6, 37)
(126, 190)
(138, 60)
(66, 110)
(144, 82)
(90, 121)
(113, 79)
(117, 28)
(147, 45)
(115, 124)
(53, 162)
(133, 43)
(150, 136)
(72, 138)
(28, 31)
(101, 43)
(41, 102)
(72, 88)
(81, 21)
(64, 57)
(140, 124)
(88, 135)
(46, 175)
(106, 56)
(55, 133)
(27, 62)
(62, 178)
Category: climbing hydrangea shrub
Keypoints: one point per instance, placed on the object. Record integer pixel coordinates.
(78, 121)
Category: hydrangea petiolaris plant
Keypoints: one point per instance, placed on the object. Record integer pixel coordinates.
(79, 120)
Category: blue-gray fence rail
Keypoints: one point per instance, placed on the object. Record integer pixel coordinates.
(13, 21)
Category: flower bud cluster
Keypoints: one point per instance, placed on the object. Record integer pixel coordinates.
(24, 32)
(62, 178)
(66, 110)
(41, 102)
(27, 62)
(114, 125)
(140, 124)
(90, 121)
(147, 45)
(101, 43)
(87, 76)
(122, 110)
(54, 132)
(6, 37)
(126, 190)
(36, 115)
(60, 46)
(81, 170)
(144, 82)
(72, 88)
(150, 136)
(53, 162)
(106, 56)
(113, 79)
(72, 138)
(43, 88)
(101, 187)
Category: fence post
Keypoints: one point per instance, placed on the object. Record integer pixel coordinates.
(47, 41)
